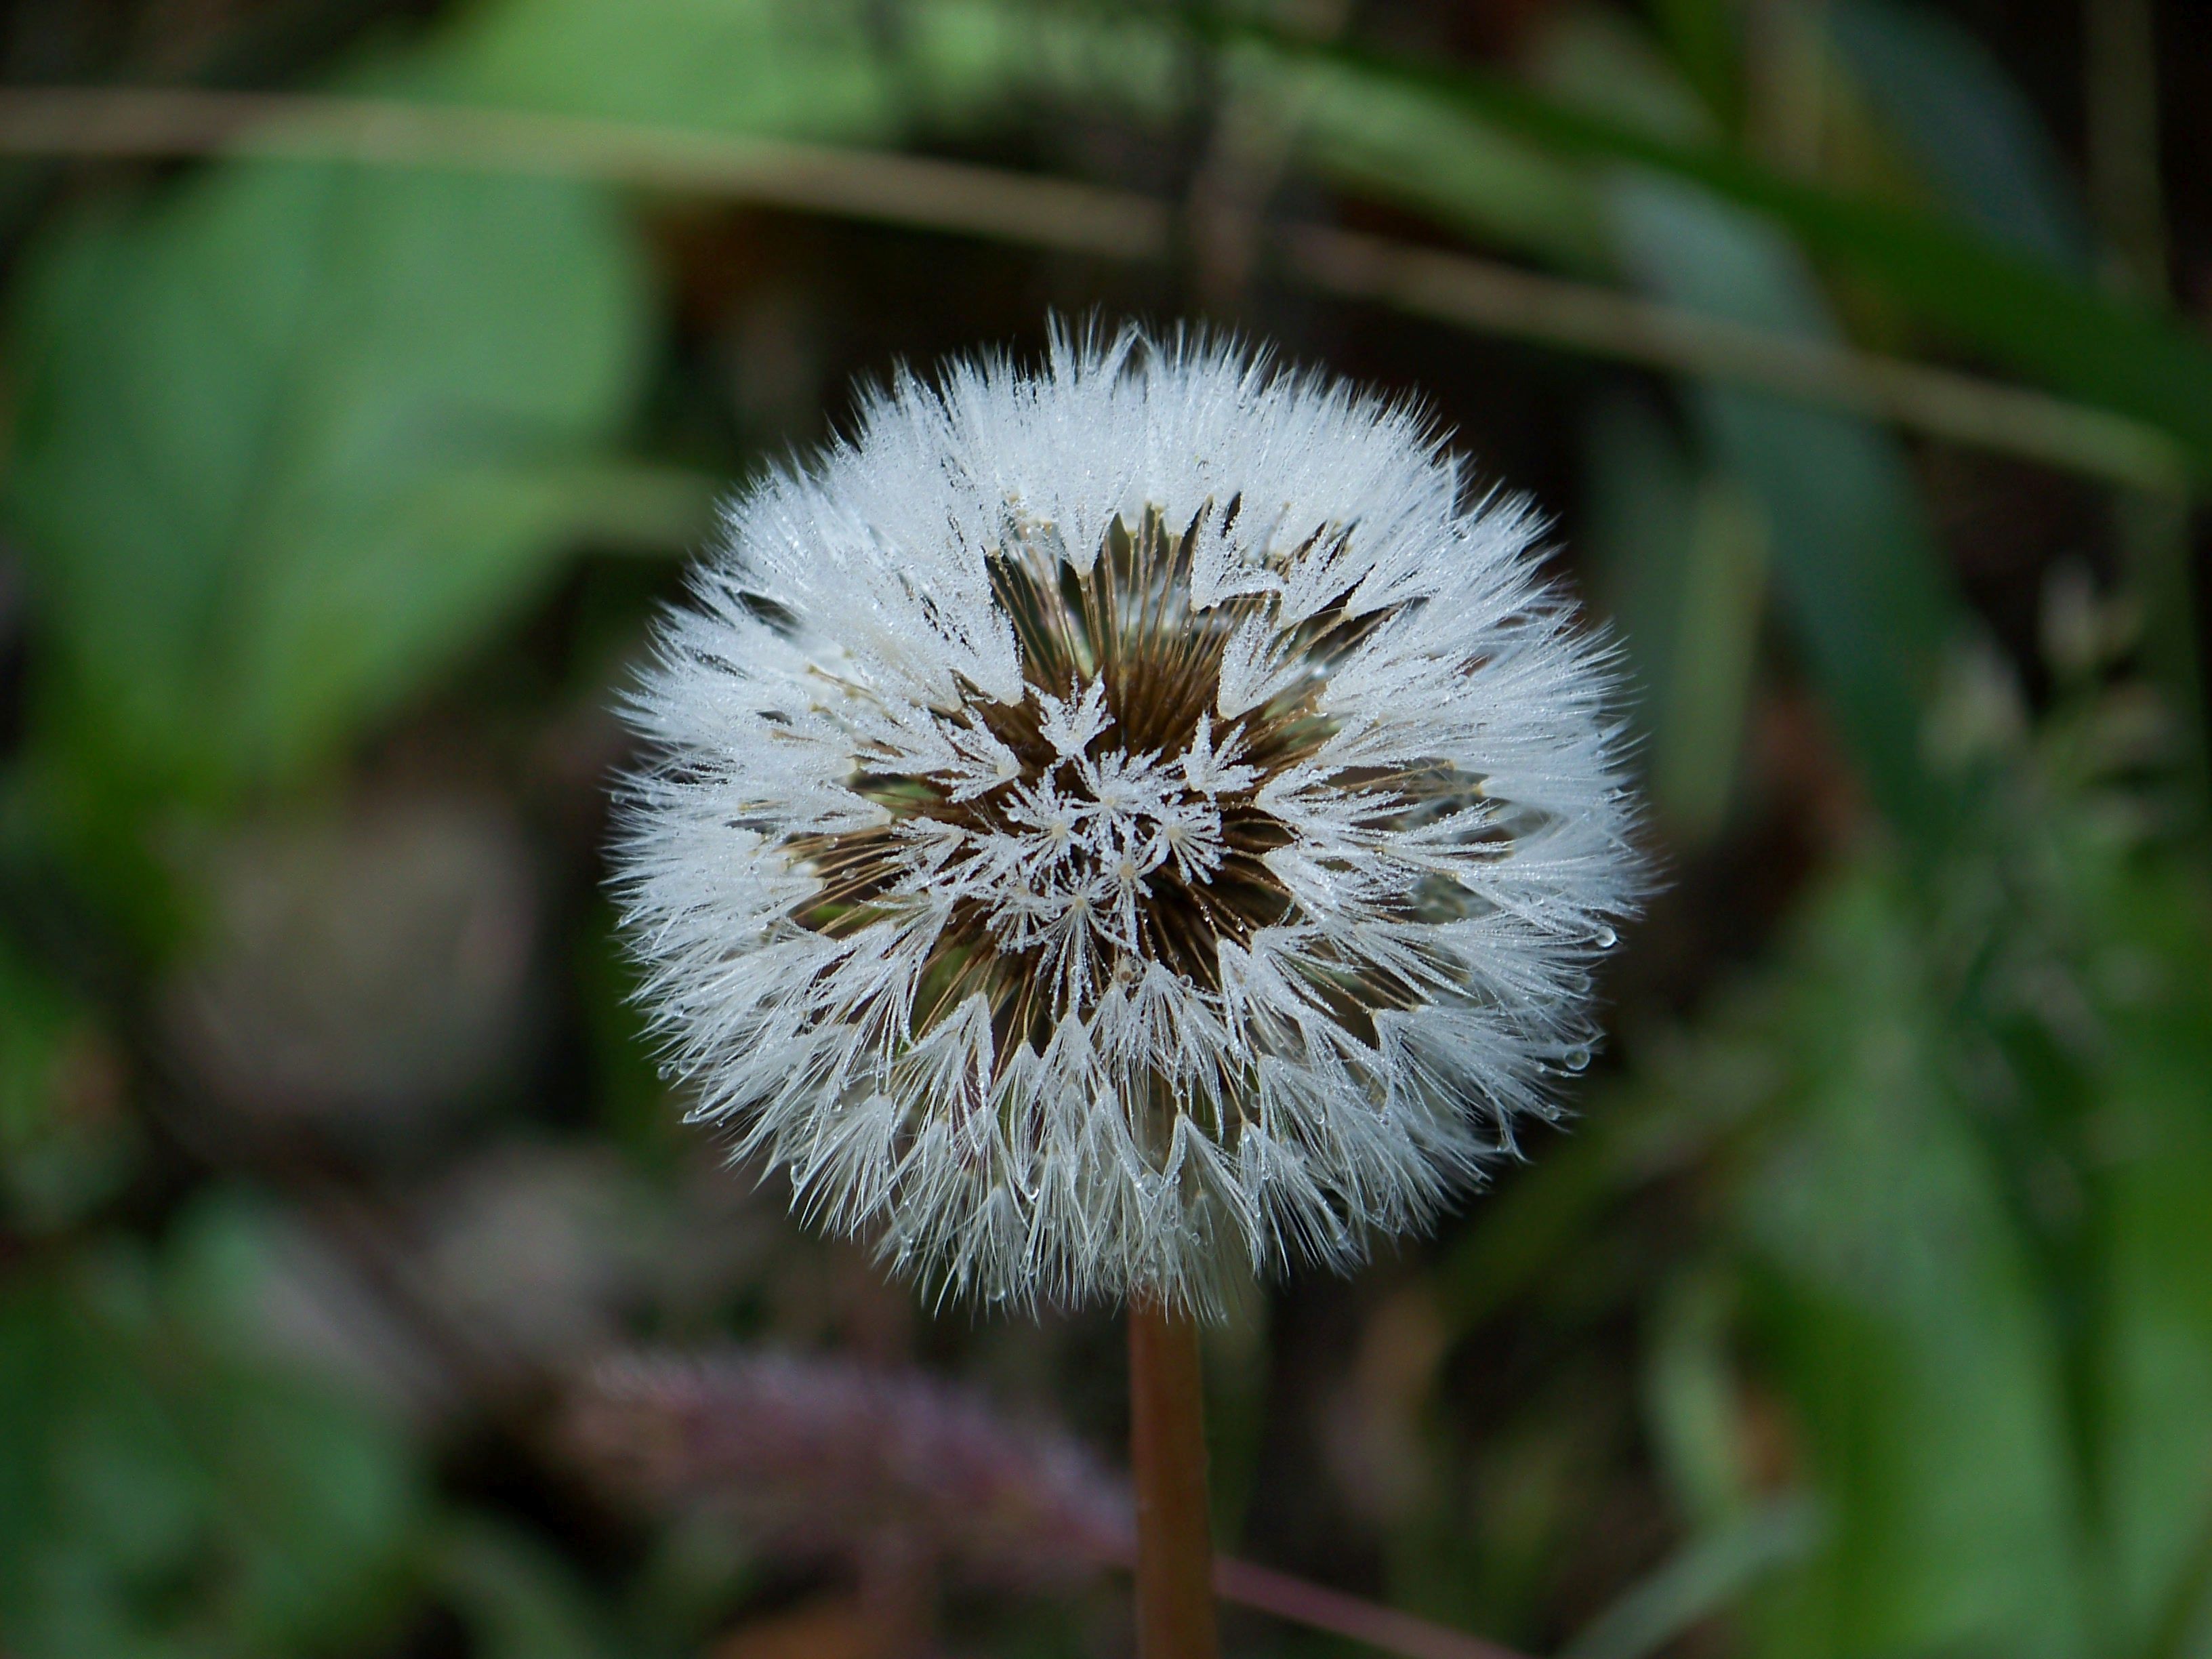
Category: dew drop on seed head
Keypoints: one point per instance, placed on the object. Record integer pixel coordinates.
(1607, 938)
(1577, 1059)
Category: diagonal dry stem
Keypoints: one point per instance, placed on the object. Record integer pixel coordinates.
(1485, 295)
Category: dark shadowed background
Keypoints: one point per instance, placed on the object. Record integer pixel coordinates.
(369, 370)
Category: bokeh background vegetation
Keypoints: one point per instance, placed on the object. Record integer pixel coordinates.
(1859, 348)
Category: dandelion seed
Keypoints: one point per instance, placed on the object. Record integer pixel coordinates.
(1108, 820)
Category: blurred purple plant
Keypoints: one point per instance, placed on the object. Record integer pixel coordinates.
(904, 1476)
(826, 1457)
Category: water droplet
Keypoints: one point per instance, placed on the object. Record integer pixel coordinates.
(1577, 1059)
(1607, 938)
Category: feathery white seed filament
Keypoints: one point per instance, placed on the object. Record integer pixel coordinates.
(1107, 818)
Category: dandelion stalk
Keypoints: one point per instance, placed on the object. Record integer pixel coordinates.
(1112, 824)
(1167, 1457)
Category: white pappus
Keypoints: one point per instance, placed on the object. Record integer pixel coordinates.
(1107, 818)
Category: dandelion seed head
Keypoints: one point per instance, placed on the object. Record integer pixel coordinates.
(1108, 820)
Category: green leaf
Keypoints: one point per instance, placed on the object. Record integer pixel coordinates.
(1704, 1578)
(2149, 967)
(1691, 1406)
(1701, 41)
(813, 71)
(292, 437)
(1829, 499)
(519, 1599)
(162, 1496)
(66, 1144)
(2103, 349)
(1902, 1313)
(1969, 1232)
(1681, 564)
(40, 1015)
(1855, 563)
(1403, 149)
(1967, 127)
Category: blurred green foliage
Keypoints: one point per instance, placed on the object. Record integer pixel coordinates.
(166, 1496)
(1867, 1314)
(289, 439)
